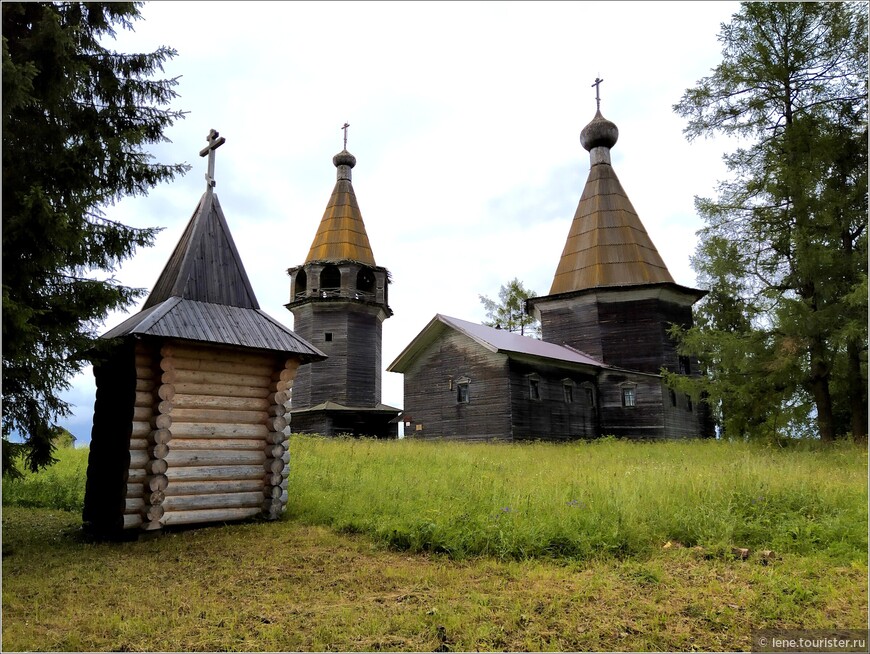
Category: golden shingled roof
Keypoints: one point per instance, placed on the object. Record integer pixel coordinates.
(607, 244)
(341, 235)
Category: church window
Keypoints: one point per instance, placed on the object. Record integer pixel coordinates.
(330, 277)
(685, 366)
(628, 396)
(327, 337)
(673, 396)
(301, 284)
(534, 387)
(463, 390)
(688, 402)
(569, 393)
(365, 280)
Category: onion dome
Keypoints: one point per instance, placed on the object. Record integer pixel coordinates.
(599, 133)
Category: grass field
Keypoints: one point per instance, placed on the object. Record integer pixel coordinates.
(419, 546)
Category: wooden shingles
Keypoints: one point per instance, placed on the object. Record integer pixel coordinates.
(341, 235)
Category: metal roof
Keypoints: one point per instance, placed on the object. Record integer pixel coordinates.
(496, 340)
(607, 244)
(341, 235)
(216, 324)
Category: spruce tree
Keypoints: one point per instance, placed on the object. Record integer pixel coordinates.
(784, 247)
(77, 121)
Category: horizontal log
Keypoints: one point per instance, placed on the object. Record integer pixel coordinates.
(277, 410)
(186, 401)
(156, 467)
(220, 416)
(274, 451)
(144, 398)
(159, 451)
(154, 512)
(138, 458)
(159, 436)
(145, 372)
(276, 437)
(276, 423)
(152, 525)
(213, 486)
(143, 413)
(273, 465)
(272, 492)
(223, 390)
(132, 520)
(145, 385)
(273, 479)
(287, 374)
(138, 443)
(186, 351)
(204, 377)
(166, 392)
(165, 407)
(209, 473)
(185, 458)
(134, 505)
(215, 430)
(156, 483)
(162, 421)
(135, 490)
(141, 428)
(277, 387)
(209, 515)
(217, 444)
(136, 475)
(155, 497)
(210, 365)
(279, 397)
(144, 359)
(212, 501)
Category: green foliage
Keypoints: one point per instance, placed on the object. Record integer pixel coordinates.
(510, 311)
(77, 119)
(783, 332)
(58, 486)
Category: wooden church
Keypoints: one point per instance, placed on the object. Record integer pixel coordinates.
(189, 419)
(339, 302)
(604, 329)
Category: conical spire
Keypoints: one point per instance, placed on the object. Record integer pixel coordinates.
(607, 244)
(341, 235)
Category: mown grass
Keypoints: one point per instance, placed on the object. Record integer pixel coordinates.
(582, 500)
(414, 546)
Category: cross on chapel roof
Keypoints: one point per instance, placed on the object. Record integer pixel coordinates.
(213, 144)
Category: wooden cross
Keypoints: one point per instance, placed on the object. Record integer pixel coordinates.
(597, 84)
(344, 127)
(213, 144)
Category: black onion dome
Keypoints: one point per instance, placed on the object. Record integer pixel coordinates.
(600, 133)
(344, 158)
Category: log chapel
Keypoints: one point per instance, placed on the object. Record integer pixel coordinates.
(604, 340)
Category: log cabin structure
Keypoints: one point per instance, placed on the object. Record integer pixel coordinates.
(339, 300)
(604, 327)
(189, 418)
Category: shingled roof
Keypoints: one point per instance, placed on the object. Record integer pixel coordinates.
(341, 235)
(203, 294)
(607, 244)
(495, 340)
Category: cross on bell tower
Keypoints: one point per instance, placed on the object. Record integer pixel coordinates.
(213, 144)
(597, 85)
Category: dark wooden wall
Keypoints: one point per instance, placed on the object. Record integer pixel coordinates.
(431, 398)
(109, 455)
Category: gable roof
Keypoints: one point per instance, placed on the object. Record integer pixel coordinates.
(341, 235)
(495, 340)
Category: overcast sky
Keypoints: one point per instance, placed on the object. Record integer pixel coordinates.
(464, 120)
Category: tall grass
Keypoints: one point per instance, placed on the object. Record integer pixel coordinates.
(578, 500)
(584, 499)
(60, 486)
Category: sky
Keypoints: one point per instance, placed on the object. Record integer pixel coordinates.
(464, 119)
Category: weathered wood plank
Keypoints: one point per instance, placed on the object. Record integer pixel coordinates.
(187, 458)
(212, 501)
(224, 430)
(209, 515)
(214, 472)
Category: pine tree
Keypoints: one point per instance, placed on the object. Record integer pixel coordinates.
(77, 118)
(510, 311)
(784, 247)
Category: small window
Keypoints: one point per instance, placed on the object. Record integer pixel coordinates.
(462, 394)
(534, 389)
(590, 397)
(628, 396)
(673, 397)
(688, 402)
(569, 393)
(327, 337)
(685, 366)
